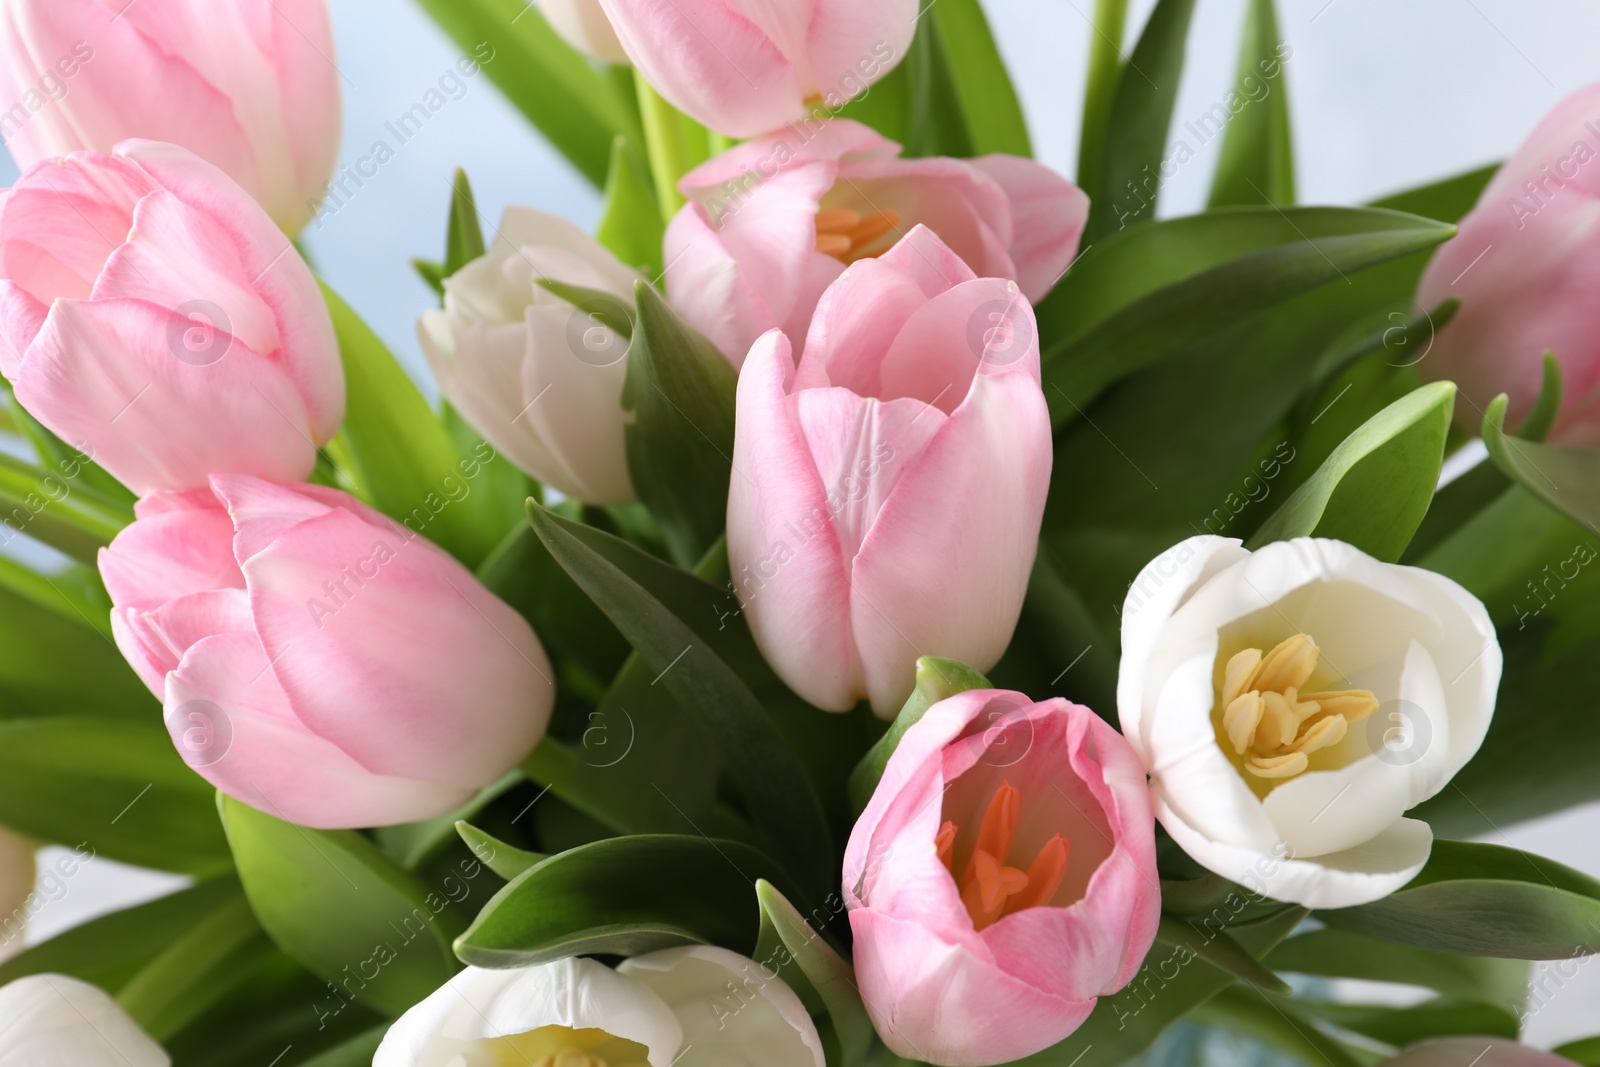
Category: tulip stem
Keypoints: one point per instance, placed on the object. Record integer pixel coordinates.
(1105, 66)
(676, 142)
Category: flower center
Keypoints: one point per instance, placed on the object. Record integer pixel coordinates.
(1270, 723)
(845, 234)
(990, 888)
(549, 1046)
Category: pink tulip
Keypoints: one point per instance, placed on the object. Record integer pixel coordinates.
(249, 86)
(1002, 877)
(154, 317)
(772, 223)
(887, 494)
(743, 69)
(1526, 266)
(317, 660)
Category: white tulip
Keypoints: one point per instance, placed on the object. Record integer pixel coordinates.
(50, 1020)
(583, 24)
(1292, 703)
(540, 379)
(691, 1007)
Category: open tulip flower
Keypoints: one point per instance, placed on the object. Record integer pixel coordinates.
(250, 88)
(304, 646)
(1292, 704)
(887, 492)
(153, 316)
(772, 223)
(52, 1020)
(1001, 879)
(696, 1007)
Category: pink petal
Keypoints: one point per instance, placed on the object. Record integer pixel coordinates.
(103, 374)
(709, 290)
(170, 554)
(785, 555)
(21, 319)
(261, 511)
(853, 44)
(1048, 214)
(63, 220)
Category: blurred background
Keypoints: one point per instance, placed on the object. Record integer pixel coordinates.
(1384, 96)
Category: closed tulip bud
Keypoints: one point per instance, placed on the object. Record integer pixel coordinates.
(744, 69)
(691, 1007)
(887, 492)
(772, 223)
(250, 88)
(539, 378)
(154, 317)
(583, 24)
(50, 1019)
(319, 661)
(1525, 266)
(1293, 703)
(1002, 878)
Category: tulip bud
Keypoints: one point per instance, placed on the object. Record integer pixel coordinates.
(319, 661)
(743, 69)
(154, 318)
(772, 223)
(583, 24)
(53, 1019)
(701, 1005)
(251, 89)
(1002, 878)
(539, 378)
(887, 494)
(1293, 703)
(1525, 266)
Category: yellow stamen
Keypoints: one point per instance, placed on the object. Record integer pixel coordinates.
(846, 235)
(837, 220)
(1240, 676)
(1242, 718)
(1278, 766)
(1289, 665)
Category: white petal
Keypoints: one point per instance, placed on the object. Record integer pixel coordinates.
(1470, 662)
(50, 1020)
(480, 1005)
(734, 1011)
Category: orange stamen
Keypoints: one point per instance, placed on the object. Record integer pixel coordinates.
(1000, 822)
(990, 888)
(838, 220)
(1049, 867)
(844, 234)
(945, 841)
(836, 245)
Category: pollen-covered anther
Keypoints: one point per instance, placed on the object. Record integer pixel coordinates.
(845, 234)
(990, 887)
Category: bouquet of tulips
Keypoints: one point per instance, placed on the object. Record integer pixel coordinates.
(874, 601)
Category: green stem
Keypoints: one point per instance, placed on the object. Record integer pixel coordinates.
(193, 971)
(1105, 66)
(677, 145)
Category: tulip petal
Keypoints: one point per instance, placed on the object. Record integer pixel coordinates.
(575, 408)
(852, 44)
(709, 289)
(102, 373)
(1048, 214)
(51, 1020)
(170, 554)
(583, 25)
(21, 319)
(782, 547)
(63, 220)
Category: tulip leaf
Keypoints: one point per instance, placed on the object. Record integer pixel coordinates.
(1257, 161)
(1139, 120)
(1447, 200)
(825, 978)
(1435, 1017)
(602, 308)
(1144, 295)
(505, 860)
(680, 393)
(1105, 67)
(1220, 950)
(357, 1052)
(74, 593)
(937, 679)
(983, 89)
(464, 238)
(1568, 479)
(55, 509)
(109, 950)
(397, 454)
(640, 595)
(1277, 1023)
(195, 969)
(114, 786)
(58, 661)
(1169, 985)
(332, 900)
(578, 108)
(1376, 487)
(622, 896)
(630, 222)
(1585, 1051)
(1485, 900)
(1334, 953)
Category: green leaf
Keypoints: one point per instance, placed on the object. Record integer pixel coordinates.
(1547, 406)
(1568, 479)
(1277, 1023)
(464, 238)
(1437, 1017)
(937, 679)
(116, 786)
(54, 664)
(336, 903)
(1105, 67)
(630, 222)
(503, 859)
(1257, 161)
(433, 274)
(622, 896)
(679, 394)
(983, 89)
(1332, 953)
(934, 123)
(1447, 201)
(576, 108)
(74, 593)
(109, 950)
(1376, 487)
(1220, 950)
(1585, 1051)
(624, 583)
(823, 972)
(195, 969)
(357, 1052)
(603, 308)
(397, 452)
(1485, 900)
(1139, 119)
(1145, 294)
(52, 508)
